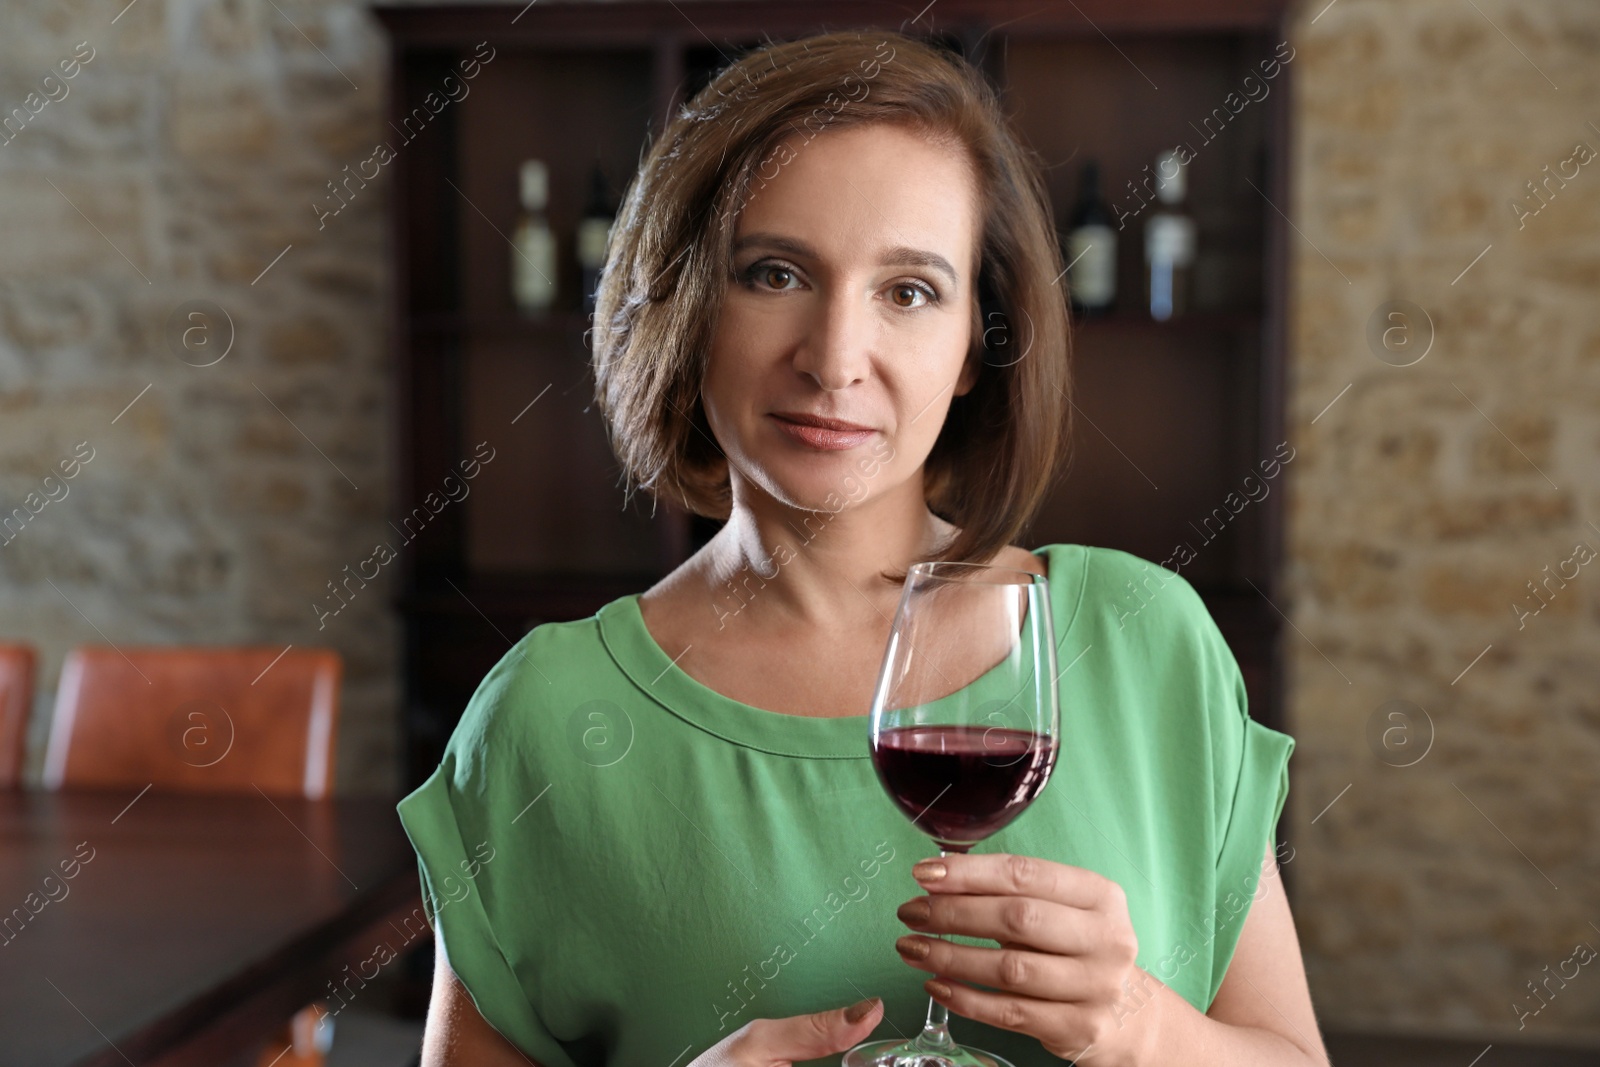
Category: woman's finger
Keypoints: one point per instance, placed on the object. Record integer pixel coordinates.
(1012, 969)
(1039, 924)
(823, 1034)
(1007, 874)
(1064, 1030)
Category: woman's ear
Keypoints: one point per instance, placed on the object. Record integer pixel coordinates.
(974, 360)
(970, 369)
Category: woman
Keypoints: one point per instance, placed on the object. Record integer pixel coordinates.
(829, 315)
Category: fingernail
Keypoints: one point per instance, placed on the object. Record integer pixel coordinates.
(860, 1010)
(936, 989)
(914, 947)
(914, 912)
(929, 871)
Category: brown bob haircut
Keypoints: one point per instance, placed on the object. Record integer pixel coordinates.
(1003, 443)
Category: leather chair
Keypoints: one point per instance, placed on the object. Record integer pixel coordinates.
(17, 667)
(198, 719)
(203, 720)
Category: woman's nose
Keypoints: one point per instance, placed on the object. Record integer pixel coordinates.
(836, 350)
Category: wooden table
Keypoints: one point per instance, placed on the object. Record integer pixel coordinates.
(191, 926)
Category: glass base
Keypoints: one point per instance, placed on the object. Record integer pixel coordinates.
(907, 1054)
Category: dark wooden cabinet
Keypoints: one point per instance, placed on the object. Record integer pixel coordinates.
(1172, 417)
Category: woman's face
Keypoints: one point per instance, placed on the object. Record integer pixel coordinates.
(852, 299)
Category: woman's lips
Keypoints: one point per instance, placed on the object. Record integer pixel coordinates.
(822, 439)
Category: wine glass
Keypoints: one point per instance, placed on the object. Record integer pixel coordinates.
(964, 731)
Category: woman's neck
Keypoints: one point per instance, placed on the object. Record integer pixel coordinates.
(823, 568)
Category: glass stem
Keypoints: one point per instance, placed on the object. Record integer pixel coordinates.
(935, 1036)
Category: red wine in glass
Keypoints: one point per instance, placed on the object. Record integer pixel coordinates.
(965, 729)
(963, 783)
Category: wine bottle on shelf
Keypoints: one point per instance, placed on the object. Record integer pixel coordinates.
(1091, 248)
(533, 259)
(1169, 243)
(593, 234)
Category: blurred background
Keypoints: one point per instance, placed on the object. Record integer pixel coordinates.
(292, 313)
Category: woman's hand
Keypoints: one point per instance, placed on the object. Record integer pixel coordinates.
(1065, 966)
(780, 1042)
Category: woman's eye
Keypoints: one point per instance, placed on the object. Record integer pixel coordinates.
(906, 295)
(771, 276)
(775, 277)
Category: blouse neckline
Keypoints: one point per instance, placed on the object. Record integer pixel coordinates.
(635, 651)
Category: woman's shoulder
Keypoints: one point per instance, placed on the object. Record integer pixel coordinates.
(1146, 636)
(572, 644)
(531, 721)
(549, 672)
(1108, 591)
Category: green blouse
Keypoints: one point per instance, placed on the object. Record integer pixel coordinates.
(624, 865)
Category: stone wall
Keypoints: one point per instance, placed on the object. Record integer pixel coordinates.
(1428, 496)
(189, 149)
(177, 162)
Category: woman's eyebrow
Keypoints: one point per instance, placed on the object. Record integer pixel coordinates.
(898, 256)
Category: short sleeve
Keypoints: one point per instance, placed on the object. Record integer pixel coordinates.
(1252, 781)
(448, 821)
